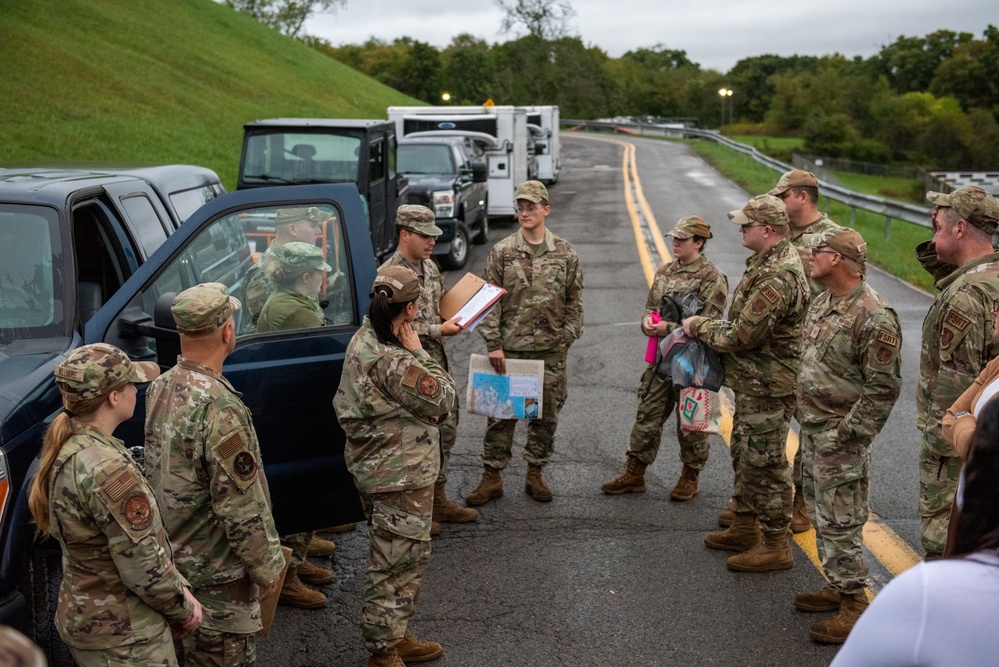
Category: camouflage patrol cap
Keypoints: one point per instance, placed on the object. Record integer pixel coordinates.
(96, 370)
(286, 216)
(202, 309)
(690, 227)
(796, 178)
(418, 218)
(399, 284)
(16, 649)
(973, 204)
(762, 209)
(534, 191)
(302, 256)
(849, 243)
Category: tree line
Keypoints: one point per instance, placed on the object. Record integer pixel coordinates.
(931, 100)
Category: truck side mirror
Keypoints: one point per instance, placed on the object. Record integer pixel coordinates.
(480, 172)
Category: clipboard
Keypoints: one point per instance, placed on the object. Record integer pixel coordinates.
(471, 298)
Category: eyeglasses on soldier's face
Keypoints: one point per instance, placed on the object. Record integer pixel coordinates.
(526, 208)
(821, 251)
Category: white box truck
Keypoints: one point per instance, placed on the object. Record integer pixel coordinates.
(543, 121)
(500, 130)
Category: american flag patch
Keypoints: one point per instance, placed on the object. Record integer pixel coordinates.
(120, 484)
(231, 445)
(412, 377)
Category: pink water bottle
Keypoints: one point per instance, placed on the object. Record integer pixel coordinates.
(653, 347)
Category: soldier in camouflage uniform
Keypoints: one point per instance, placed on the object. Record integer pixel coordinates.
(849, 380)
(417, 234)
(957, 343)
(203, 459)
(761, 348)
(296, 271)
(539, 317)
(799, 190)
(690, 273)
(391, 399)
(120, 588)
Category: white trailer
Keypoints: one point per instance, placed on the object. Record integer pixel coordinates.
(506, 154)
(547, 119)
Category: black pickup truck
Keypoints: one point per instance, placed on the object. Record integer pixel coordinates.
(446, 176)
(59, 234)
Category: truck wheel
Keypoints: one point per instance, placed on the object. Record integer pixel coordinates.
(482, 237)
(41, 589)
(458, 254)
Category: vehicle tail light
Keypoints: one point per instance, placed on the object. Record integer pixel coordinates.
(4, 485)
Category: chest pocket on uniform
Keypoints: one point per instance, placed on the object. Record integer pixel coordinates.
(836, 346)
(550, 273)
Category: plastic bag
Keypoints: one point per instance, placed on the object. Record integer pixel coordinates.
(699, 410)
(697, 365)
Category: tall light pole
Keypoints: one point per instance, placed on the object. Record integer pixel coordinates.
(723, 93)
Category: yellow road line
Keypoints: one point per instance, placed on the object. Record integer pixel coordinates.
(891, 550)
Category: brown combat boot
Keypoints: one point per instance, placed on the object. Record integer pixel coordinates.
(411, 649)
(772, 553)
(836, 629)
(296, 594)
(435, 528)
(311, 574)
(343, 528)
(320, 548)
(742, 535)
(825, 599)
(446, 511)
(800, 523)
(727, 516)
(388, 659)
(686, 486)
(489, 488)
(536, 486)
(632, 480)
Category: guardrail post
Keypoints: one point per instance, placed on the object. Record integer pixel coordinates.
(887, 227)
(853, 216)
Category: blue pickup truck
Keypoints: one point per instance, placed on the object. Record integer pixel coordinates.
(287, 378)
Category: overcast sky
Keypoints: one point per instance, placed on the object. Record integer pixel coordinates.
(714, 33)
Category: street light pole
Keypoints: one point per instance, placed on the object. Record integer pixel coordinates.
(723, 93)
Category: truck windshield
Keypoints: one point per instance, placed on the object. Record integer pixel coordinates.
(31, 281)
(301, 157)
(425, 159)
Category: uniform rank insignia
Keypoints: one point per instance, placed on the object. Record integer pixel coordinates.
(887, 338)
(137, 510)
(412, 377)
(429, 385)
(957, 320)
(770, 294)
(244, 465)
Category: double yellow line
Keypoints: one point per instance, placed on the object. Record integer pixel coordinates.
(891, 551)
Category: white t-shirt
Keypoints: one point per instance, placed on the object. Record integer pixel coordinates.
(943, 613)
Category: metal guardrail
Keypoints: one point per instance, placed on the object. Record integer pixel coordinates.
(890, 209)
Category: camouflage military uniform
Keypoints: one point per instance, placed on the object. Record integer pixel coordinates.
(119, 579)
(386, 403)
(761, 346)
(849, 380)
(957, 343)
(428, 326)
(539, 317)
(203, 459)
(289, 310)
(258, 287)
(656, 394)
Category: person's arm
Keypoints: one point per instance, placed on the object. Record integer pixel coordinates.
(767, 301)
(573, 328)
(878, 353)
(713, 293)
(959, 423)
(417, 382)
(489, 328)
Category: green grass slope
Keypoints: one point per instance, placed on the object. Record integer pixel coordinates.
(142, 83)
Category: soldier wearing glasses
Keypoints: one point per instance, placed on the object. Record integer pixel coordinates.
(539, 317)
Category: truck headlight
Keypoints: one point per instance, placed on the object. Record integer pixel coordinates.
(443, 203)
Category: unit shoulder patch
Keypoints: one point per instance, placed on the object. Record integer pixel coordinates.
(957, 320)
(770, 294)
(888, 338)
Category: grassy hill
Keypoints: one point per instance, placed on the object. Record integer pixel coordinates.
(141, 83)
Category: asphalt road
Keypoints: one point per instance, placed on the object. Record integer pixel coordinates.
(591, 579)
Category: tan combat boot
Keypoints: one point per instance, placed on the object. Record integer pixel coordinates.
(836, 629)
(388, 659)
(411, 649)
(686, 486)
(311, 574)
(727, 516)
(489, 488)
(772, 553)
(742, 535)
(632, 480)
(536, 486)
(320, 548)
(446, 511)
(296, 594)
(800, 523)
(343, 528)
(825, 599)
